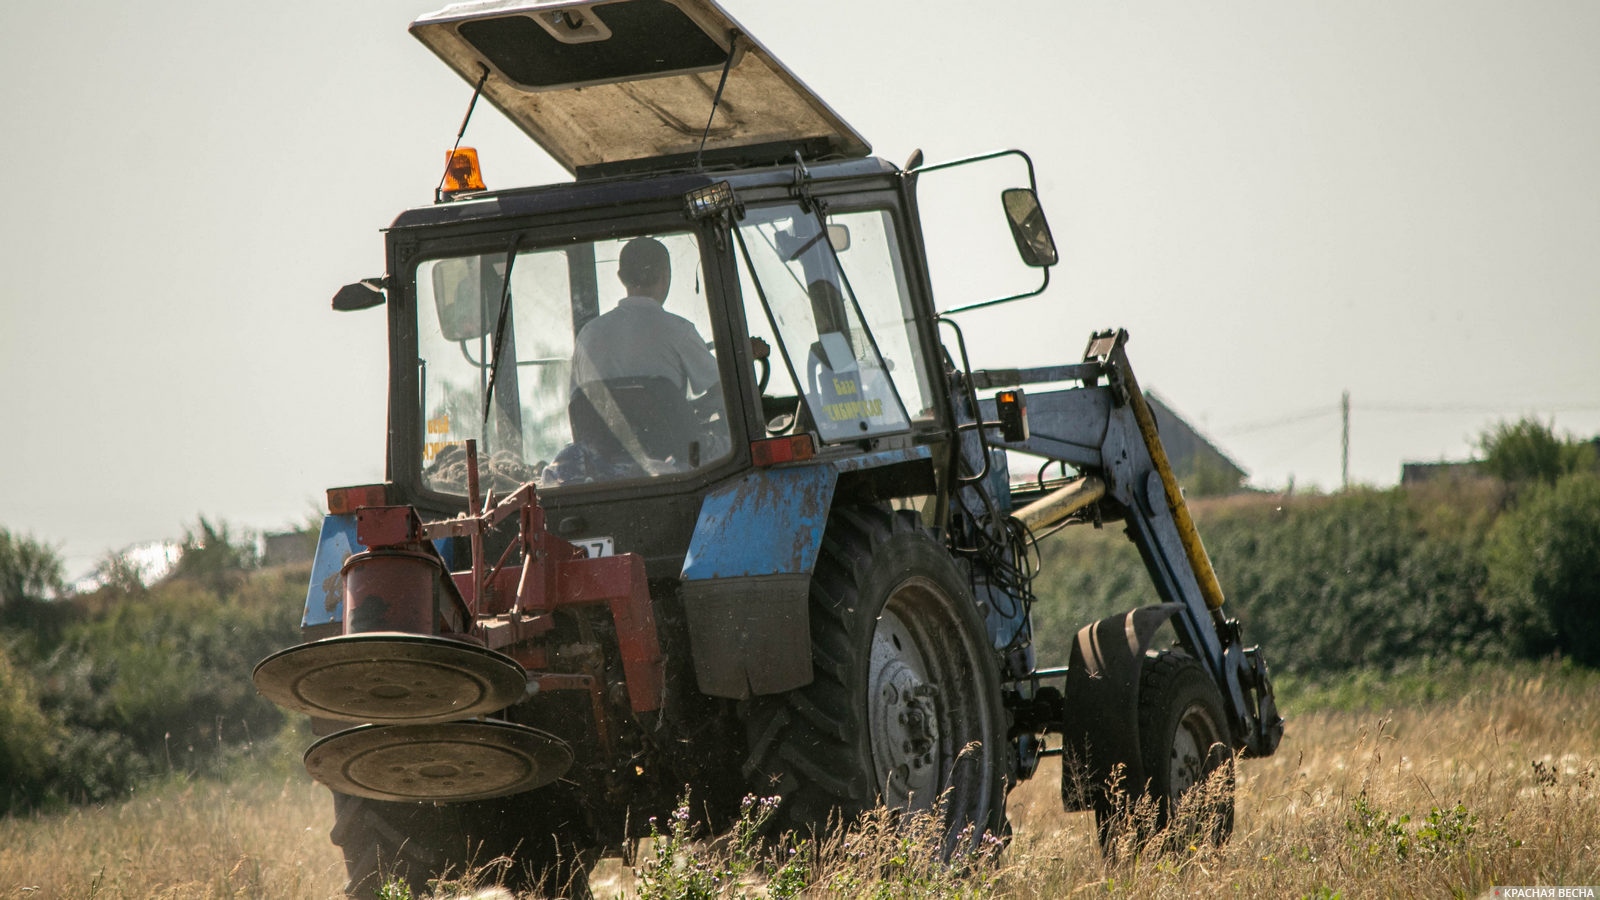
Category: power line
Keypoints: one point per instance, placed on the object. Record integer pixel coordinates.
(1293, 418)
(1345, 408)
(1278, 457)
(1477, 409)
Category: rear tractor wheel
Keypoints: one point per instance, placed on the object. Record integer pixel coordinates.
(905, 708)
(524, 841)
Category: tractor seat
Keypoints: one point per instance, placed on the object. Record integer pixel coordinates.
(635, 418)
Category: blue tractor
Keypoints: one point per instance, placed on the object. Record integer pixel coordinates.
(692, 486)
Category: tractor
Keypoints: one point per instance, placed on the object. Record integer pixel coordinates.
(691, 486)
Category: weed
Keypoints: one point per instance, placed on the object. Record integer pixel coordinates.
(891, 854)
(675, 870)
(1374, 833)
(1446, 831)
(1440, 833)
(1544, 774)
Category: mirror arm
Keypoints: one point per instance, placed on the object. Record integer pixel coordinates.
(1007, 299)
(915, 169)
(1027, 160)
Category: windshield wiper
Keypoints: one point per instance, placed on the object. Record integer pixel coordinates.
(499, 335)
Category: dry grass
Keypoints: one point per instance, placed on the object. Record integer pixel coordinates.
(1499, 786)
(254, 838)
(1509, 773)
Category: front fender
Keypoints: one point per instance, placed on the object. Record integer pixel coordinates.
(1101, 726)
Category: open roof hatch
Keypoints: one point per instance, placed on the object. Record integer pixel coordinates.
(621, 85)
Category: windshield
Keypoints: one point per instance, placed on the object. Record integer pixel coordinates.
(793, 283)
(591, 364)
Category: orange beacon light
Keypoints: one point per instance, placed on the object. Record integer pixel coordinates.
(461, 171)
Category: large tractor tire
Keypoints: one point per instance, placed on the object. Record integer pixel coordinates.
(1183, 740)
(905, 708)
(523, 842)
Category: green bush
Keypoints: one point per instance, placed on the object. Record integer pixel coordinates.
(100, 691)
(1355, 580)
(1544, 569)
(27, 739)
(215, 557)
(1322, 583)
(93, 766)
(1085, 574)
(29, 570)
(170, 669)
(1529, 451)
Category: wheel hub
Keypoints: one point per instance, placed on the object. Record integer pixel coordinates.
(904, 712)
(1190, 748)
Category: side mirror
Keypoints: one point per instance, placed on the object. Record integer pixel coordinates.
(839, 237)
(363, 294)
(461, 291)
(1028, 227)
(792, 247)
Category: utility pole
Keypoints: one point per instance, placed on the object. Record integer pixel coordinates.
(1344, 439)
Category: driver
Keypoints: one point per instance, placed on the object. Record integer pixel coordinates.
(640, 339)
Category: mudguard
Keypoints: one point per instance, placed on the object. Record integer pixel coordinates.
(1102, 692)
(746, 577)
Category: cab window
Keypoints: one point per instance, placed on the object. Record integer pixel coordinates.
(800, 299)
(593, 365)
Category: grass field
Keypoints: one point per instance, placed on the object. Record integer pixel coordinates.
(1436, 782)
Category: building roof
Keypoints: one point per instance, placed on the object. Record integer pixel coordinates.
(1190, 452)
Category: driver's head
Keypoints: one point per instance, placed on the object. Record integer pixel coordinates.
(645, 268)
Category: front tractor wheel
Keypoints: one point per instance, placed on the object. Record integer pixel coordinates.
(905, 707)
(1186, 754)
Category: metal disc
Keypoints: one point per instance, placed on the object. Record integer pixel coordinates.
(455, 761)
(391, 678)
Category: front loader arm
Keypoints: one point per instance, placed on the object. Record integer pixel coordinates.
(1105, 430)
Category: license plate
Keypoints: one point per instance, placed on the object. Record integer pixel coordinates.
(597, 546)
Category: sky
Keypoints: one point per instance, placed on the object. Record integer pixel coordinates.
(1281, 200)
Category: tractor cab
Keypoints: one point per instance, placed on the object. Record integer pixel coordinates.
(571, 372)
(791, 317)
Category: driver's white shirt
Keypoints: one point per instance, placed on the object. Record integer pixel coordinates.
(639, 339)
